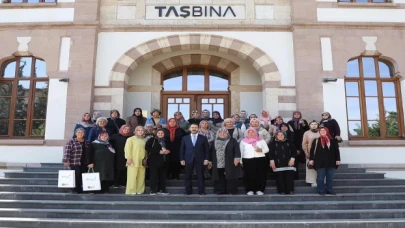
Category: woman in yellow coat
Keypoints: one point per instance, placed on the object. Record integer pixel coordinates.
(134, 153)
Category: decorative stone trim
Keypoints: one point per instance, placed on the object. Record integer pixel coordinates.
(195, 59)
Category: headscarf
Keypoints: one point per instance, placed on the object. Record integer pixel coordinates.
(254, 140)
(297, 124)
(118, 113)
(325, 139)
(254, 119)
(314, 130)
(101, 119)
(181, 120)
(220, 143)
(86, 123)
(219, 120)
(209, 114)
(104, 142)
(284, 133)
(194, 112)
(98, 115)
(121, 131)
(172, 130)
(265, 120)
(161, 141)
(325, 120)
(80, 129)
(139, 118)
(288, 129)
(275, 122)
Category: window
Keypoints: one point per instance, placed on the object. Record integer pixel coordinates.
(373, 98)
(23, 97)
(366, 1)
(30, 1)
(198, 79)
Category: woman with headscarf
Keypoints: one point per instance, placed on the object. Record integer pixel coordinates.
(101, 158)
(195, 117)
(307, 139)
(157, 121)
(173, 137)
(235, 133)
(136, 119)
(134, 153)
(216, 121)
(251, 116)
(181, 122)
(325, 157)
(263, 133)
(157, 163)
(206, 115)
(332, 126)
(100, 127)
(96, 115)
(253, 151)
(114, 123)
(224, 160)
(282, 157)
(290, 136)
(265, 119)
(149, 131)
(118, 141)
(278, 121)
(299, 126)
(205, 130)
(74, 156)
(87, 124)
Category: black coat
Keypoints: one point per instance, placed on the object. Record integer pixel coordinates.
(174, 147)
(103, 160)
(281, 152)
(194, 121)
(114, 125)
(333, 127)
(153, 148)
(325, 157)
(118, 142)
(232, 151)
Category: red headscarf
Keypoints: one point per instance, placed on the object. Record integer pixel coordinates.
(254, 140)
(172, 130)
(325, 139)
(122, 130)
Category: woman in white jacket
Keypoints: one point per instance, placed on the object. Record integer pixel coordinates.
(253, 152)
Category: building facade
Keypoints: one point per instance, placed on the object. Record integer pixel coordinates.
(62, 59)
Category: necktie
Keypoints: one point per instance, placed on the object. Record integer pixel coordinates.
(193, 140)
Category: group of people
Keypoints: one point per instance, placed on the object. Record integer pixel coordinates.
(241, 147)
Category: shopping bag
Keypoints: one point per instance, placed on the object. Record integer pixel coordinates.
(91, 181)
(66, 179)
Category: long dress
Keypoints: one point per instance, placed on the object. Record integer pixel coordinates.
(174, 155)
(307, 139)
(135, 150)
(118, 141)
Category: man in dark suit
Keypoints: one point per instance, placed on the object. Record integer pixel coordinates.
(194, 154)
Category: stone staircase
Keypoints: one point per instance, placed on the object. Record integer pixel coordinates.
(31, 199)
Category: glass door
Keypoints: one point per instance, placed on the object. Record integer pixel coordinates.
(178, 103)
(214, 103)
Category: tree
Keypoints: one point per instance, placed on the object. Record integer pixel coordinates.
(391, 123)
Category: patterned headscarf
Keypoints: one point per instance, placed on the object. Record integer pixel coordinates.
(121, 131)
(297, 124)
(265, 119)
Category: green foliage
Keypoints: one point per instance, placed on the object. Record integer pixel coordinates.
(374, 130)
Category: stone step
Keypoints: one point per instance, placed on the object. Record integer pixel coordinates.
(337, 182)
(210, 190)
(341, 197)
(202, 214)
(114, 223)
(182, 176)
(301, 170)
(195, 206)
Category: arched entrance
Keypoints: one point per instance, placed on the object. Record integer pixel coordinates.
(195, 87)
(270, 88)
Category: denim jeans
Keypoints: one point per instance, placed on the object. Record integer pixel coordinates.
(322, 173)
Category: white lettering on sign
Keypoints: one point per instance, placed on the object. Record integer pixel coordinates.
(195, 12)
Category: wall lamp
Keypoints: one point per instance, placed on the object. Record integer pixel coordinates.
(326, 80)
(64, 80)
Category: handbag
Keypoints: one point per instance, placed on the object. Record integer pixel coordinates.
(91, 181)
(66, 179)
(145, 159)
(316, 146)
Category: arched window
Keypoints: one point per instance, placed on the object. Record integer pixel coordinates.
(373, 97)
(23, 97)
(195, 88)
